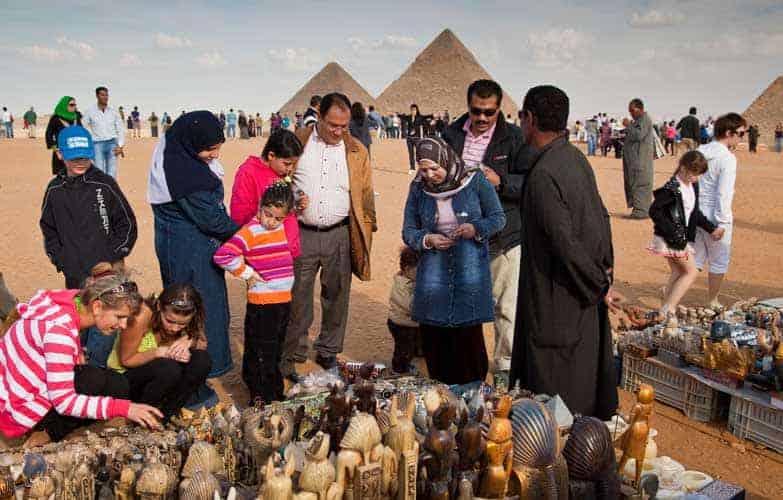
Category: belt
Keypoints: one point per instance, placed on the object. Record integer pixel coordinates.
(319, 229)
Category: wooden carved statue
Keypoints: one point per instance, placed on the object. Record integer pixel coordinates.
(471, 447)
(318, 474)
(156, 482)
(364, 466)
(400, 437)
(41, 488)
(277, 482)
(439, 457)
(364, 397)
(335, 415)
(634, 440)
(499, 452)
(203, 457)
(201, 486)
(83, 481)
(265, 435)
(7, 486)
(126, 484)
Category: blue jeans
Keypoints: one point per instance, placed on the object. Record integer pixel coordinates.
(97, 345)
(232, 130)
(779, 144)
(9, 130)
(105, 159)
(592, 139)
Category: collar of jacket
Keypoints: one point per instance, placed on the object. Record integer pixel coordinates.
(499, 135)
(89, 174)
(351, 144)
(559, 141)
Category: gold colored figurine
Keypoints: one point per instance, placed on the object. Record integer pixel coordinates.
(41, 488)
(126, 484)
(634, 440)
(726, 357)
(499, 453)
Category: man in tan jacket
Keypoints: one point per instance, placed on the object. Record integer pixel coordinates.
(335, 230)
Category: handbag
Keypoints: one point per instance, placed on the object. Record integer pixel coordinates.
(660, 152)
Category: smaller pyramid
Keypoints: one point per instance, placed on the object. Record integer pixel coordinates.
(767, 111)
(332, 78)
(438, 80)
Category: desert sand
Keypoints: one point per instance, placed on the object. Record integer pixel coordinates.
(755, 270)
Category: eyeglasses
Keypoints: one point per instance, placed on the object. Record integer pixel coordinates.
(489, 113)
(126, 288)
(71, 104)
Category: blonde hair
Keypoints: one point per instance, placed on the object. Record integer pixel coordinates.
(112, 287)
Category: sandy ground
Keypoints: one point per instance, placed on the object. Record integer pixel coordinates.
(755, 271)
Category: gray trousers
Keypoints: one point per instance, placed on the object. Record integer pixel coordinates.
(638, 188)
(330, 253)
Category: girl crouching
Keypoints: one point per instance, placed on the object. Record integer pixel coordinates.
(163, 352)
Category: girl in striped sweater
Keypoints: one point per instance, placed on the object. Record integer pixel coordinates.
(45, 384)
(260, 253)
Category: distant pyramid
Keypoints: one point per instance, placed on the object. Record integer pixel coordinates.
(438, 79)
(767, 111)
(332, 78)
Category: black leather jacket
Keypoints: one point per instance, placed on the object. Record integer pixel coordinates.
(668, 215)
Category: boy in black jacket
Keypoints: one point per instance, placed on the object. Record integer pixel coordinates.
(85, 218)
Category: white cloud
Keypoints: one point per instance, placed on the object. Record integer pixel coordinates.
(40, 53)
(65, 50)
(83, 49)
(655, 19)
(295, 59)
(128, 59)
(211, 59)
(165, 41)
(559, 46)
(387, 43)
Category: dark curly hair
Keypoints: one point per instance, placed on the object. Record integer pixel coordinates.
(278, 195)
(408, 258)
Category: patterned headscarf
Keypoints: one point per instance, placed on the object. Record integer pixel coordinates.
(437, 150)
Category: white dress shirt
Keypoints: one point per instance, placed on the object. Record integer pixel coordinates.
(104, 125)
(322, 174)
(716, 186)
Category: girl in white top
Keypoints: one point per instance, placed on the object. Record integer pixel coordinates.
(676, 216)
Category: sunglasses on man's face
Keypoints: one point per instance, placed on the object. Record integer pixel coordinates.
(489, 113)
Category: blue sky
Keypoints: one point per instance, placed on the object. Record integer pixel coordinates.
(167, 56)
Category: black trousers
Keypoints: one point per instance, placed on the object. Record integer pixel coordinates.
(411, 141)
(265, 329)
(91, 381)
(167, 384)
(455, 355)
(406, 339)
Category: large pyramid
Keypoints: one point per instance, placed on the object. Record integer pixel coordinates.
(438, 79)
(332, 78)
(767, 111)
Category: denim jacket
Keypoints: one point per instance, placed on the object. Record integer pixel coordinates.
(454, 286)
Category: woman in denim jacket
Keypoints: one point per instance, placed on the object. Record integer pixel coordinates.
(186, 193)
(450, 215)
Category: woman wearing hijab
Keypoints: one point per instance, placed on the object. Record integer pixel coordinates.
(65, 115)
(186, 193)
(451, 213)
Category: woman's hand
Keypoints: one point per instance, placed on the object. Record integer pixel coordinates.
(717, 235)
(439, 242)
(180, 350)
(466, 231)
(145, 415)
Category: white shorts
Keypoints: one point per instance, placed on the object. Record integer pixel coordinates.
(717, 253)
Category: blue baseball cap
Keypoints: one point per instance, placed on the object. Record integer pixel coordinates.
(75, 142)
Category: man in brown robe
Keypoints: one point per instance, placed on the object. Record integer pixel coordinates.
(562, 339)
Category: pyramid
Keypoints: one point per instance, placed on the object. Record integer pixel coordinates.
(767, 111)
(332, 78)
(438, 79)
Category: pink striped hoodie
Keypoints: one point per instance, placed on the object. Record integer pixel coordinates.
(38, 355)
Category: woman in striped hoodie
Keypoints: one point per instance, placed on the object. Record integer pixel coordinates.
(45, 385)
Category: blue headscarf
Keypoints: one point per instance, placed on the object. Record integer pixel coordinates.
(185, 172)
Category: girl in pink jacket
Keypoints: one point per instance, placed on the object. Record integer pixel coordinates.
(256, 174)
